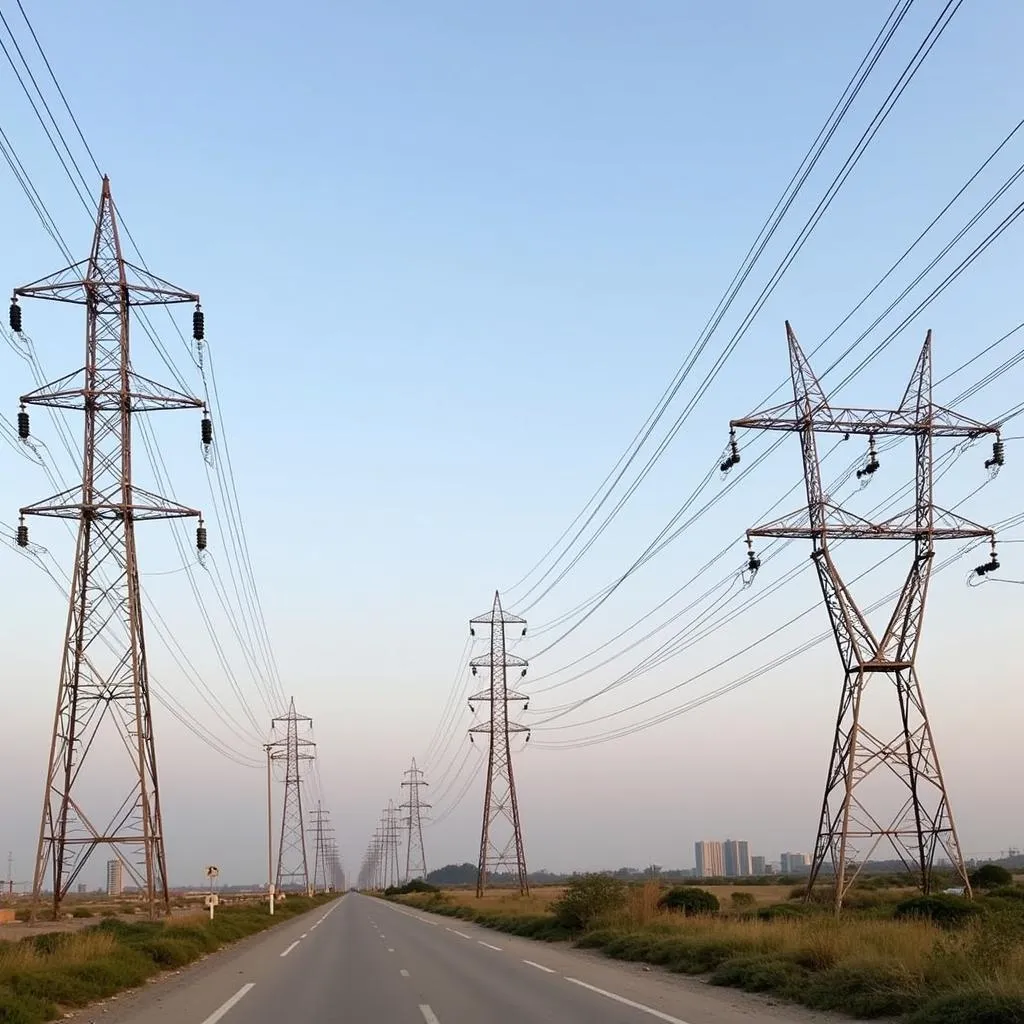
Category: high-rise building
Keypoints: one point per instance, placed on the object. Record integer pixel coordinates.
(115, 882)
(710, 862)
(793, 863)
(736, 853)
(757, 865)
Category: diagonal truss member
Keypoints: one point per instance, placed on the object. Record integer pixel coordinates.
(884, 783)
(501, 846)
(103, 722)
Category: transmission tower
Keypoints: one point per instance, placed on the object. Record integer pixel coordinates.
(390, 829)
(103, 697)
(859, 812)
(292, 862)
(505, 851)
(415, 858)
(322, 864)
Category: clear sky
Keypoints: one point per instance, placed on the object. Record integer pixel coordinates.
(450, 255)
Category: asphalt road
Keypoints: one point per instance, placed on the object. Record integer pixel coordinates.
(362, 960)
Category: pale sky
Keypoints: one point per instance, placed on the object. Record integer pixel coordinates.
(450, 259)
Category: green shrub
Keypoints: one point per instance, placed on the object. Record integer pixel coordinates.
(990, 876)
(761, 973)
(866, 991)
(945, 911)
(1007, 892)
(689, 900)
(777, 910)
(587, 898)
(82, 912)
(742, 900)
(971, 1008)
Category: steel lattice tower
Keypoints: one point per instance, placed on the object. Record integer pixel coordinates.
(103, 697)
(392, 875)
(292, 862)
(415, 857)
(500, 795)
(882, 722)
(322, 864)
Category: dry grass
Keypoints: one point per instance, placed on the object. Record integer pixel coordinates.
(76, 949)
(507, 901)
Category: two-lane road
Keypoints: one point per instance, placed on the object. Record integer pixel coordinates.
(363, 960)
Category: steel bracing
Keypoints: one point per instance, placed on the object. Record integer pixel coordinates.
(293, 749)
(882, 732)
(415, 857)
(103, 696)
(501, 848)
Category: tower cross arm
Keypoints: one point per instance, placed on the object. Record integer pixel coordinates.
(827, 419)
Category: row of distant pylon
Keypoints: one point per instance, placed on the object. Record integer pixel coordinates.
(382, 864)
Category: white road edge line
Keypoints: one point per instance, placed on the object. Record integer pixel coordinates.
(390, 950)
(628, 1002)
(428, 1014)
(285, 953)
(540, 967)
(461, 935)
(497, 949)
(234, 1000)
(404, 973)
(303, 935)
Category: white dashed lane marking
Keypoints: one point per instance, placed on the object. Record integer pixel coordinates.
(404, 973)
(497, 949)
(428, 1014)
(628, 1002)
(540, 967)
(223, 1009)
(290, 948)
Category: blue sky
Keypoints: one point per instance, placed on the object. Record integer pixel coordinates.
(449, 257)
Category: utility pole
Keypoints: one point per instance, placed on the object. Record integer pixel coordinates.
(505, 851)
(292, 862)
(865, 805)
(321, 830)
(269, 748)
(103, 697)
(415, 857)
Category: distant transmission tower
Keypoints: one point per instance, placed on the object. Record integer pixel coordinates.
(873, 745)
(322, 864)
(415, 857)
(103, 698)
(391, 830)
(505, 852)
(292, 862)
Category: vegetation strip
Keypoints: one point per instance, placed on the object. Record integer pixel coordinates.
(929, 960)
(44, 976)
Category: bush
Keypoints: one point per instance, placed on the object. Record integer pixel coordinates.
(990, 876)
(587, 898)
(945, 911)
(742, 900)
(415, 885)
(82, 912)
(1007, 892)
(971, 1008)
(777, 910)
(690, 900)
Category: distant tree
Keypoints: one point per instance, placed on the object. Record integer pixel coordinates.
(587, 898)
(991, 876)
(453, 874)
(690, 900)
